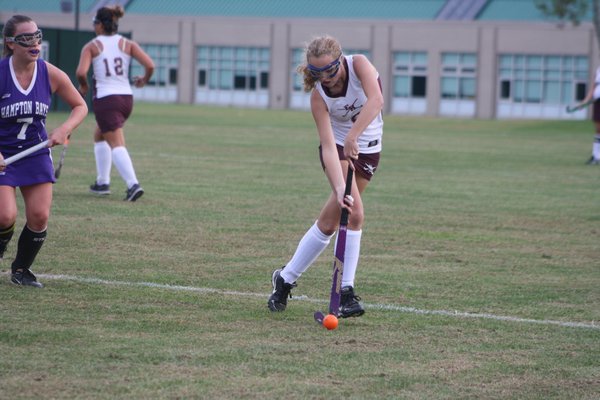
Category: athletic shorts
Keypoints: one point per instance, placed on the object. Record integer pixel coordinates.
(112, 111)
(31, 170)
(365, 165)
(596, 111)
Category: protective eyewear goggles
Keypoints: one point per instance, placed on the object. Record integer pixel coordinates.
(27, 39)
(328, 71)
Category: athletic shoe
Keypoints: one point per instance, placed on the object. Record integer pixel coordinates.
(134, 193)
(350, 306)
(101, 190)
(592, 161)
(281, 291)
(25, 278)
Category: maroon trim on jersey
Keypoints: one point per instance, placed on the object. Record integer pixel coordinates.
(596, 111)
(365, 165)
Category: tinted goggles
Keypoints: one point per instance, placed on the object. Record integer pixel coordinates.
(328, 71)
(26, 39)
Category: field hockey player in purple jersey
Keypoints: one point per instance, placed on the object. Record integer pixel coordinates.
(346, 103)
(26, 85)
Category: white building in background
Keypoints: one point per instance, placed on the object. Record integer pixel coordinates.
(452, 58)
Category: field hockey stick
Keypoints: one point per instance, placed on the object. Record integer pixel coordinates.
(338, 262)
(61, 160)
(25, 153)
(577, 107)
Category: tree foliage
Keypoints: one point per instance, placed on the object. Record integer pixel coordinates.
(565, 10)
(572, 11)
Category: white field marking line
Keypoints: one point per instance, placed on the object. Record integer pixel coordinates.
(384, 307)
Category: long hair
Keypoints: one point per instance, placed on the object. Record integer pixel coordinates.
(9, 31)
(319, 46)
(109, 18)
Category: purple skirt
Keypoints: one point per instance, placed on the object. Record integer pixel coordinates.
(33, 169)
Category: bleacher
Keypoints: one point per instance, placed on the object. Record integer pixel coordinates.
(461, 9)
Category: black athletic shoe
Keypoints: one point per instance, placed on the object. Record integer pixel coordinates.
(592, 161)
(281, 291)
(350, 306)
(101, 190)
(134, 193)
(25, 278)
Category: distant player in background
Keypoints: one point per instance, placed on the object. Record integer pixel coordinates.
(110, 54)
(346, 104)
(26, 86)
(594, 94)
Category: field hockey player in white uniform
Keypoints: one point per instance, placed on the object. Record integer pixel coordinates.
(110, 54)
(346, 104)
(593, 96)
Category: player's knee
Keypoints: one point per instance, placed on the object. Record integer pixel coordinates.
(37, 221)
(7, 218)
(356, 220)
(328, 229)
(6, 222)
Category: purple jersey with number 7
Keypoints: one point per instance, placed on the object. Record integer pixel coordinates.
(23, 113)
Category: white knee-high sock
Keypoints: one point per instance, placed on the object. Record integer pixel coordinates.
(124, 165)
(103, 155)
(351, 256)
(310, 247)
(596, 146)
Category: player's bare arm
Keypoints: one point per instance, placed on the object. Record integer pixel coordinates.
(368, 76)
(62, 86)
(333, 168)
(85, 60)
(140, 55)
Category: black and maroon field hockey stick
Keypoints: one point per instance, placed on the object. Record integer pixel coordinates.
(338, 262)
(61, 161)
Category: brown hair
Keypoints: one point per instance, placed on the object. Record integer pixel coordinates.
(109, 18)
(9, 31)
(319, 46)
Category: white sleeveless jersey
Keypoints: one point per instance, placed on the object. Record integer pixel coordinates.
(111, 68)
(343, 111)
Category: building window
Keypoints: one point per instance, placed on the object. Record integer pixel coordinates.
(233, 68)
(547, 79)
(459, 71)
(166, 62)
(297, 79)
(45, 52)
(410, 74)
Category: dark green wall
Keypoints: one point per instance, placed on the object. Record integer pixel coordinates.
(64, 49)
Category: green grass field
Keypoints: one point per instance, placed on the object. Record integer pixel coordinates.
(480, 269)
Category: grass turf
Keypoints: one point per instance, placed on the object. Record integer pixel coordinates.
(497, 217)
